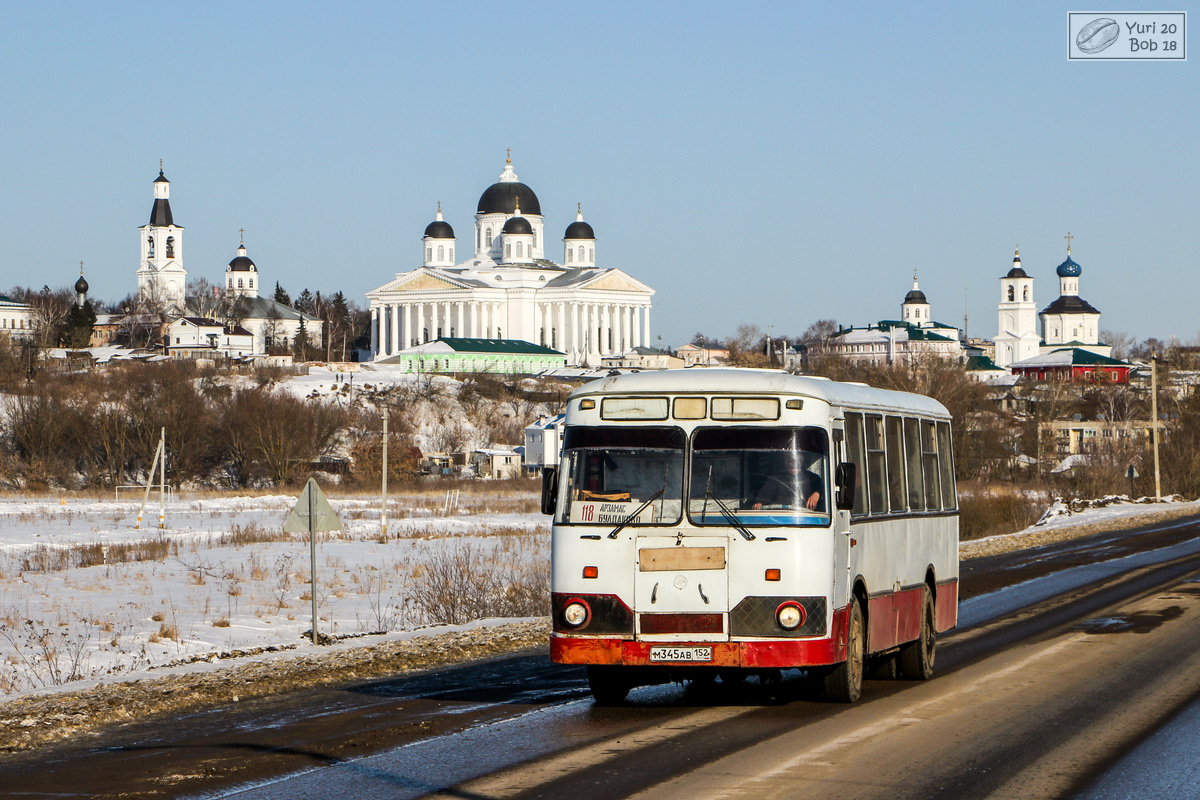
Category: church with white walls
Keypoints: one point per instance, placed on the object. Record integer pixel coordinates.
(162, 278)
(1068, 322)
(161, 275)
(509, 289)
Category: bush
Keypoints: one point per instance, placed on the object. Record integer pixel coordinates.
(466, 582)
(990, 512)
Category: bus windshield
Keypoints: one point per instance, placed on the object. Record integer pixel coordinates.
(621, 475)
(760, 476)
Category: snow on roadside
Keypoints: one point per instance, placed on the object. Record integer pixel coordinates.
(1072, 519)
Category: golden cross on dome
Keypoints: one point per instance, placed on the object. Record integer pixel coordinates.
(160, 165)
(81, 269)
(242, 234)
(517, 206)
(508, 154)
(1068, 237)
(439, 206)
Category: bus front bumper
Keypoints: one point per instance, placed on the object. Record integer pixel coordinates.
(751, 653)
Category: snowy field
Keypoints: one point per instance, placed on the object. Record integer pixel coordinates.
(84, 594)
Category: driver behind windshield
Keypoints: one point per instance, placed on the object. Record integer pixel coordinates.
(787, 484)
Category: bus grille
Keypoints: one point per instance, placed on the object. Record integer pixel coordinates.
(681, 623)
(755, 616)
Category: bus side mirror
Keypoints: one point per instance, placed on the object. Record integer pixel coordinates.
(549, 489)
(846, 478)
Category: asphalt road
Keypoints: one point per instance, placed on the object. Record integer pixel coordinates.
(1070, 658)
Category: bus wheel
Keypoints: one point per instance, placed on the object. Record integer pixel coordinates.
(916, 658)
(844, 682)
(609, 685)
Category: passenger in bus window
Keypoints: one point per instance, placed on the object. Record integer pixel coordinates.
(787, 483)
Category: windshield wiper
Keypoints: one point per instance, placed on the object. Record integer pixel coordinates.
(730, 517)
(634, 515)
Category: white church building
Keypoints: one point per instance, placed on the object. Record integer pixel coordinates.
(1068, 322)
(914, 337)
(162, 276)
(508, 288)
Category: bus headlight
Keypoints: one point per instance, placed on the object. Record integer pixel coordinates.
(576, 613)
(790, 616)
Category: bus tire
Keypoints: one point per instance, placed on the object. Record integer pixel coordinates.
(609, 685)
(843, 683)
(916, 658)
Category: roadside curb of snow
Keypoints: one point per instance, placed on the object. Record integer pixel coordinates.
(52, 716)
(1037, 537)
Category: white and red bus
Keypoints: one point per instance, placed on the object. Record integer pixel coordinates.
(728, 521)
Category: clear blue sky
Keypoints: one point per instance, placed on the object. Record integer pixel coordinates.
(763, 163)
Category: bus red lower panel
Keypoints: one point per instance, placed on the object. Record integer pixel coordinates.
(895, 618)
(759, 653)
(946, 609)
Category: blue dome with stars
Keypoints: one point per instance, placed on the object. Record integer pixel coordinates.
(1069, 269)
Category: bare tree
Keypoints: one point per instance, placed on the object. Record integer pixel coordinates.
(818, 332)
(50, 309)
(1122, 343)
(273, 332)
(745, 347)
(143, 323)
(203, 299)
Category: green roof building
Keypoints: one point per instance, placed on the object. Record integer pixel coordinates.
(502, 356)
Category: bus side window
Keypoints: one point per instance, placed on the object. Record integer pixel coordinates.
(856, 454)
(876, 472)
(912, 449)
(895, 465)
(929, 459)
(949, 497)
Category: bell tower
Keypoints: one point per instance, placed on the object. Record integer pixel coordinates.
(161, 277)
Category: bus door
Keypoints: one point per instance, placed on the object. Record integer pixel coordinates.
(682, 586)
(845, 548)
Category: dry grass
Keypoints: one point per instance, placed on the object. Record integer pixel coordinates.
(54, 558)
(991, 509)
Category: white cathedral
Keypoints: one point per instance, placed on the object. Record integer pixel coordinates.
(161, 276)
(1068, 322)
(509, 289)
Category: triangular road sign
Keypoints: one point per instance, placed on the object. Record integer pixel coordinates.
(324, 518)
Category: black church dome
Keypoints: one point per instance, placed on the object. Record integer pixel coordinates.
(579, 230)
(502, 197)
(439, 229)
(517, 225)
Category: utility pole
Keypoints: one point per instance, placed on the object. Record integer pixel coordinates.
(312, 559)
(159, 461)
(1154, 422)
(383, 513)
(162, 480)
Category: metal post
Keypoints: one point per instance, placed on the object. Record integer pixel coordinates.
(312, 556)
(1154, 423)
(149, 483)
(383, 513)
(162, 479)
